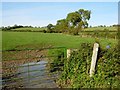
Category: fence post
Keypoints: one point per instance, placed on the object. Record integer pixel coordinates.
(68, 53)
(94, 59)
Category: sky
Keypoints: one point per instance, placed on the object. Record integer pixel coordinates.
(60, 0)
(43, 13)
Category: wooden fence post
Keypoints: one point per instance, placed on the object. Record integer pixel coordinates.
(68, 53)
(94, 59)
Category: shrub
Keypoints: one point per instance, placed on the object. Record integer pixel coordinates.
(76, 69)
(57, 57)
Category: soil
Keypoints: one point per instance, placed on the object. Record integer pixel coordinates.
(12, 59)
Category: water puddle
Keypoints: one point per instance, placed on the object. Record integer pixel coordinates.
(32, 75)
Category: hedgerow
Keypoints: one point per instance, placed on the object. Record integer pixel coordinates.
(76, 69)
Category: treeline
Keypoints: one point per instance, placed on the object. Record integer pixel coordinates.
(106, 26)
(14, 27)
(72, 24)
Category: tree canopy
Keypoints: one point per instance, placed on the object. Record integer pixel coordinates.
(61, 25)
(74, 21)
(50, 27)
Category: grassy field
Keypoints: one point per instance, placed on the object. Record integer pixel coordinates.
(101, 29)
(12, 40)
(74, 69)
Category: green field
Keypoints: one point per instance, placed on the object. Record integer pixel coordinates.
(12, 40)
(101, 29)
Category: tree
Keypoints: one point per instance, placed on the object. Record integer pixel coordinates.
(61, 25)
(90, 26)
(50, 28)
(78, 20)
(85, 16)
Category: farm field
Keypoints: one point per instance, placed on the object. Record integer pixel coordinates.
(12, 40)
(101, 29)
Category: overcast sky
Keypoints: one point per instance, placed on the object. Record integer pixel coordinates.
(43, 13)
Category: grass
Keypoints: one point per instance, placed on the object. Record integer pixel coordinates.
(101, 29)
(0, 40)
(12, 40)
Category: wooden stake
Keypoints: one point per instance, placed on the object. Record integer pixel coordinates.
(94, 59)
(68, 53)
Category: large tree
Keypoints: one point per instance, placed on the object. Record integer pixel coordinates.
(78, 20)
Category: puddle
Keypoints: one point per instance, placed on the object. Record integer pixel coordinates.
(33, 75)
